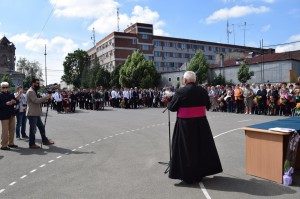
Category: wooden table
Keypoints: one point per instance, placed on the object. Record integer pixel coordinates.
(265, 153)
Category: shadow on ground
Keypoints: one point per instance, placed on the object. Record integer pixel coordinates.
(46, 150)
(252, 187)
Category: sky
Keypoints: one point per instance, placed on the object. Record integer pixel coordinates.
(66, 25)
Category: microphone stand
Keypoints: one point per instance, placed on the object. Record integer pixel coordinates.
(170, 145)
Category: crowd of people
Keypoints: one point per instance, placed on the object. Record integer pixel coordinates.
(97, 99)
(265, 99)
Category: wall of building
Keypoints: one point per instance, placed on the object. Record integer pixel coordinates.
(274, 72)
(171, 79)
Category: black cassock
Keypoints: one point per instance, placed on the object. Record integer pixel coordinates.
(194, 154)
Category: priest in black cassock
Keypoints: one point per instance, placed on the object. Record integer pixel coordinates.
(194, 154)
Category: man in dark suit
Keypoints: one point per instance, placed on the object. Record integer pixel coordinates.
(194, 154)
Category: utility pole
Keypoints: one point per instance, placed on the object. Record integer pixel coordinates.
(228, 32)
(45, 64)
(233, 34)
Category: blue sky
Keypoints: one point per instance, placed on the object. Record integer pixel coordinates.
(66, 25)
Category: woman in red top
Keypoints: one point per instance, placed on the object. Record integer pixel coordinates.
(65, 97)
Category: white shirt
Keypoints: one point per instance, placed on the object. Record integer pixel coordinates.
(22, 101)
(57, 97)
(113, 94)
(126, 94)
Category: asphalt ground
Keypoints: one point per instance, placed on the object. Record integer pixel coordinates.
(115, 153)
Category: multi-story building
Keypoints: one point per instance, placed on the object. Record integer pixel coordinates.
(168, 53)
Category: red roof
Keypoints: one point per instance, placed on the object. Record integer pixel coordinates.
(292, 55)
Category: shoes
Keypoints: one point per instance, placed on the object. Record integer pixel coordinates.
(34, 146)
(13, 146)
(25, 137)
(49, 142)
(5, 148)
(18, 137)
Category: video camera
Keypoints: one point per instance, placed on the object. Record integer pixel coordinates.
(51, 89)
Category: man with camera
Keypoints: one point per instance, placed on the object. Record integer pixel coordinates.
(34, 113)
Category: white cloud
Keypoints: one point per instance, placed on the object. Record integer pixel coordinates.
(104, 14)
(235, 12)
(32, 47)
(290, 47)
(266, 28)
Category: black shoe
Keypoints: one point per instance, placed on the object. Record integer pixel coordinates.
(13, 146)
(5, 148)
(25, 137)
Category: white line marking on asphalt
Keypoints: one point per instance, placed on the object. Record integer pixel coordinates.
(204, 190)
(121, 133)
(24, 176)
(245, 120)
(132, 130)
(51, 161)
(226, 132)
(42, 165)
(58, 157)
(116, 134)
(87, 144)
(74, 149)
(80, 147)
(99, 140)
(93, 142)
(11, 184)
(110, 136)
(34, 170)
(2, 190)
(105, 138)
(127, 131)
(67, 153)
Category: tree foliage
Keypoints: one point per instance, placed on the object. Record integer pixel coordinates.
(75, 65)
(244, 73)
(139, 72)
(29, 68)
(219, 80)
(115, 77)
(102, 78)
(200, 66)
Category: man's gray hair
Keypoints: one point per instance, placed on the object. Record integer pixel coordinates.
(190, 76)
(4, 84)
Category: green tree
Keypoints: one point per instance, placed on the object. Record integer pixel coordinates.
(6, 78)
(93, 73)
(200, 66)
(219, 80)
(85, 78)
(74, 65)
(115, 77)
(30, 69)
(244, 73)
(103, 78)
(139, 72)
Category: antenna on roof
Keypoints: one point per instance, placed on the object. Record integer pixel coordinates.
(93, 37)
(118, 18)
(245, 28)
(228, 31)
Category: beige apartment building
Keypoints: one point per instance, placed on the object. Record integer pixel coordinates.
(167, 53)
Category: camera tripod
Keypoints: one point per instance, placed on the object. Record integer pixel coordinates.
(46, 116)
(170, 145)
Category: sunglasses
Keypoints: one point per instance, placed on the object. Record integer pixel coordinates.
(4, 87)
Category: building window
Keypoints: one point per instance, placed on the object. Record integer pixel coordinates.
(176, 55)
(178, 79)
(157, 54)
(167, 44)
(183, 46)
(183, 55)
(145, 47)
(166, 54)
(167, 64)
(157, 43)
(133, 41)
(205, 48)
(175, 45)
(144, 36)
(170, 79)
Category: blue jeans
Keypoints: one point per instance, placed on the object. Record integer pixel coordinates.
(21, 124)
(35, 121)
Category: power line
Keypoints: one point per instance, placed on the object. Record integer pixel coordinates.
(282, 44)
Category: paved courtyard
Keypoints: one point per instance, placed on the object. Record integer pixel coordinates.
(115, 154)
